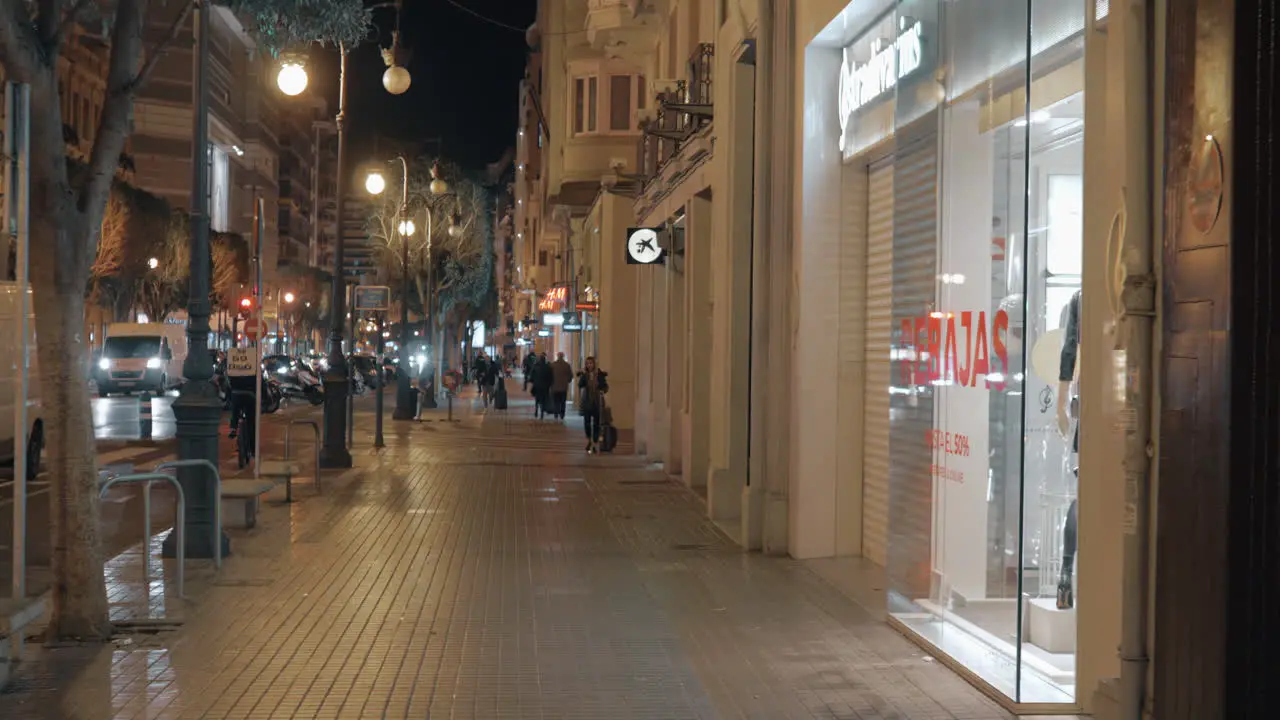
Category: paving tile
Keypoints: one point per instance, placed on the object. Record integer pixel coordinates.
(486, 568)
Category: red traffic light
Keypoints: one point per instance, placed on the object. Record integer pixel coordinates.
(246, 303)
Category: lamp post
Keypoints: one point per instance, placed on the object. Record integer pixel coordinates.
(198, 409)
(375, 184)
(292, 80)
(288, 299)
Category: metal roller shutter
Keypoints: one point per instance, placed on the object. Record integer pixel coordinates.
(879, 319)
(915, 232)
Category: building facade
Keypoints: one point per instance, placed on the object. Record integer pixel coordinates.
(870, 308)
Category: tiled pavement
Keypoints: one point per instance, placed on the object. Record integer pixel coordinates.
(488, 569)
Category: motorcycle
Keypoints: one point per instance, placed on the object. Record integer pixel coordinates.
(312, 389)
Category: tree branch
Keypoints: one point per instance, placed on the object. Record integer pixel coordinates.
(68, 21)
(157, 50)
(19, 42)
(117, 109)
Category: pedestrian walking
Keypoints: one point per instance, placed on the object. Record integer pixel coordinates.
(541, 382)
(593, 383)
(528, 369)
(492, 373)
(561, 377)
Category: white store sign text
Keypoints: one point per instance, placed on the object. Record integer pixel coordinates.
(861, 83)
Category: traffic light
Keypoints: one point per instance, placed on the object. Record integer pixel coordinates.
(246, 306)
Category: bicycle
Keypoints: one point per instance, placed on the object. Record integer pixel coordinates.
(245, 427)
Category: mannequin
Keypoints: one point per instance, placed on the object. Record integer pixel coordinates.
(1068, 410)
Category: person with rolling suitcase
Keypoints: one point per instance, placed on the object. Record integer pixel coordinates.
(593, 383)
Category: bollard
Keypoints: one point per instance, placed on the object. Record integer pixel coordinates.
(450, 407)
(144, 416)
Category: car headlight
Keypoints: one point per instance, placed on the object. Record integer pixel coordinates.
(153, 363)
(104, 364)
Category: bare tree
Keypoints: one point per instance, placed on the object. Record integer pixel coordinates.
(66, 218)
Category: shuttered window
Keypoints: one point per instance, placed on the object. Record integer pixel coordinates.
(879, 323)
(914, 261)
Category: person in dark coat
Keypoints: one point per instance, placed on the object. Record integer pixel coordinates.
(541, 382)
(529, 360)
(593, 383)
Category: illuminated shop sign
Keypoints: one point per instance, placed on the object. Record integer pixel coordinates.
(861, 83)
(554, 299)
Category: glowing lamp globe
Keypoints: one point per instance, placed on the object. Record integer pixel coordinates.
(407, 227)
(292, 78)
(288, 297)
(396, 80)
(455, 231)
(439, 187)
(375, 183)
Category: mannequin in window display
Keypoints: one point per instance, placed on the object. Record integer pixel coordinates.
(1069, 416)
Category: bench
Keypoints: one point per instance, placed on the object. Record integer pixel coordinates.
(240, 500)
(280, 471)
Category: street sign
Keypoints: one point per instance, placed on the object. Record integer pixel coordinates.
(253, 328)
(241, 362)
(643, 247)
(373, 297)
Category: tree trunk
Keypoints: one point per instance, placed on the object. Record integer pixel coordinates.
(79, 592)
(63, 243)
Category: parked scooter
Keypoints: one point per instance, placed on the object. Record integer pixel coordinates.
(309, 382)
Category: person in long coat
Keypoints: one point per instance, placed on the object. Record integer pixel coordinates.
(541, 386)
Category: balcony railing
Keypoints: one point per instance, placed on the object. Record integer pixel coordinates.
(679, 115)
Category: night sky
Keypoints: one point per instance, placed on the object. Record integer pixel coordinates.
(466, 74)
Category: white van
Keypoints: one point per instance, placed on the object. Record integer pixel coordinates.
(141, 357)
(10, 349)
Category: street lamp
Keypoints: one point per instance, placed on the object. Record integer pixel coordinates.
(374, 183)
(406, 228)
(396, 80)
(153, 263)
(288, 299)
(292, 78)
(334, 454)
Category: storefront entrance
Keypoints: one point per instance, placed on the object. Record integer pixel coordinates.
(960, 246)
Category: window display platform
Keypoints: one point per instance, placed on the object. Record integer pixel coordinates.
(984, 644)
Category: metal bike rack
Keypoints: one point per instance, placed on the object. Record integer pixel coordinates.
(179, 524)
(217, 504)
(288, 483)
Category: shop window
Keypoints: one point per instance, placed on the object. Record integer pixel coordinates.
(986, 268)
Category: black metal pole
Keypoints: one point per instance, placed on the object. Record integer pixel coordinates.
(378, 441)
(198, 409)
(404, 385)
(434, 352)
(335, 454)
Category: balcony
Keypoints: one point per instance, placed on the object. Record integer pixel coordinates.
(624, 28)
(679, 118)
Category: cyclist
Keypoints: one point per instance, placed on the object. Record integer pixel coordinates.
(242, 398)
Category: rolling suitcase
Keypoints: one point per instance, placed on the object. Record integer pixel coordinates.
(608, 433)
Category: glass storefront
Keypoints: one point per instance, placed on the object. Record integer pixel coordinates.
(983, 250)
